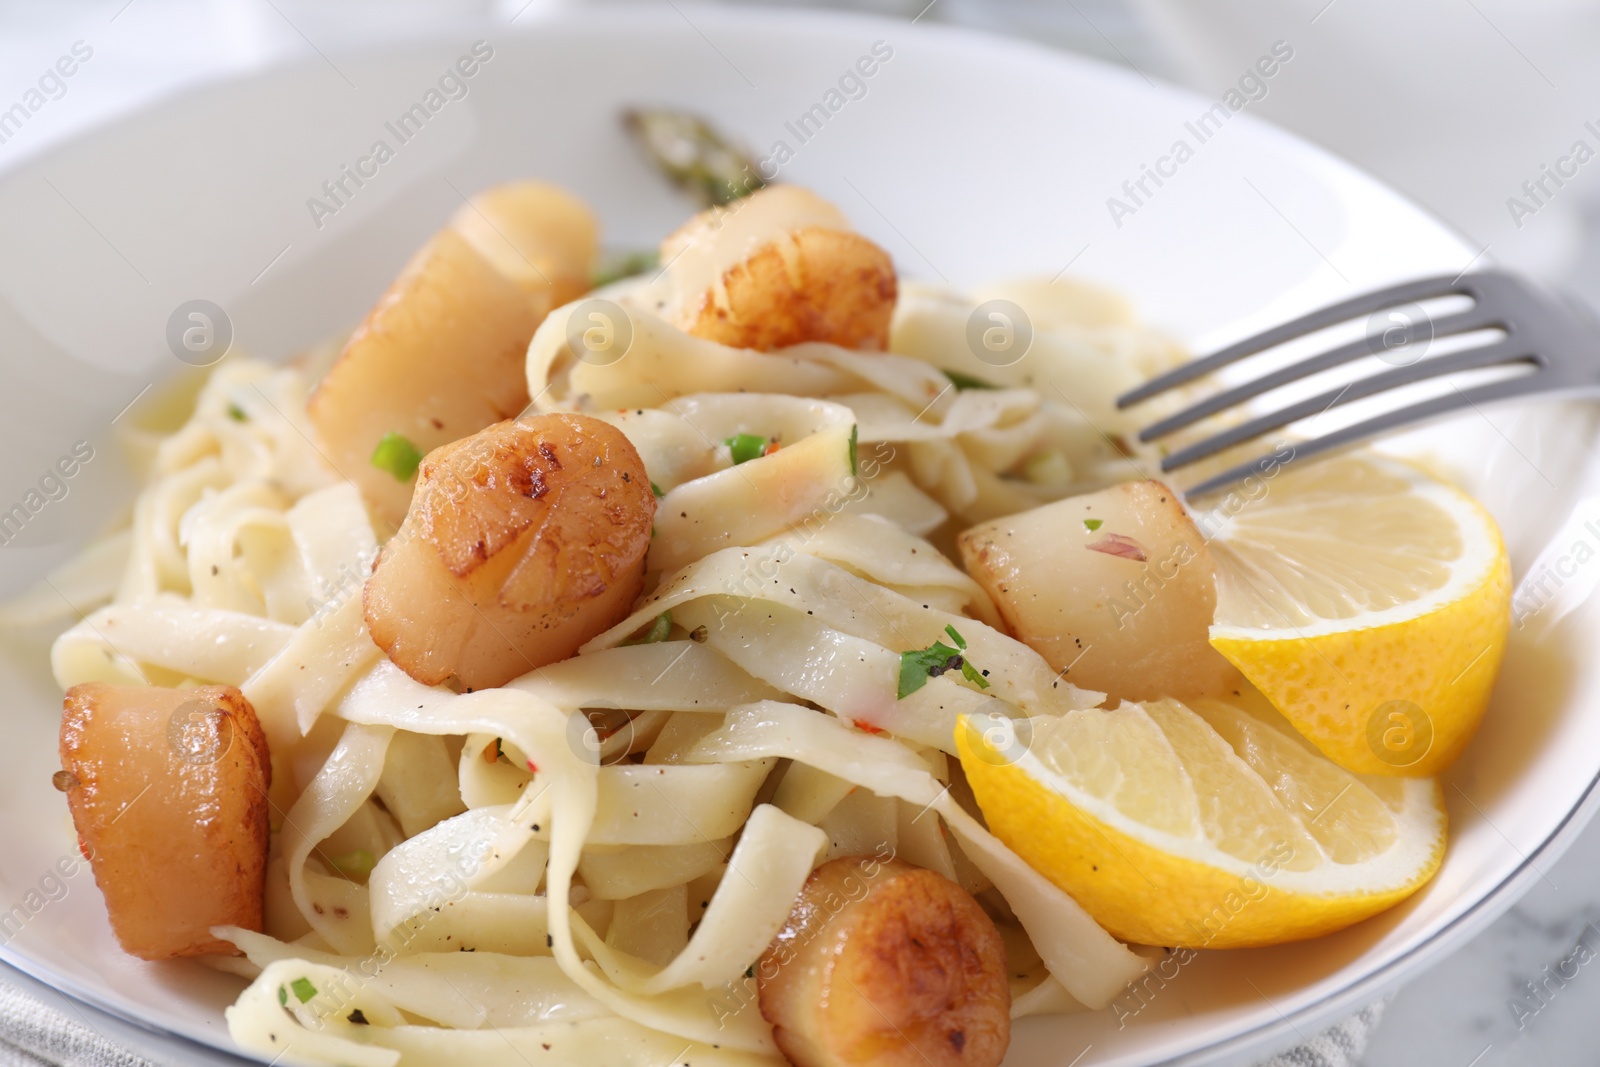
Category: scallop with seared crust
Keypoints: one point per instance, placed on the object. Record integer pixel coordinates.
(168, 791)
(778, 268)
(441, 354)
(523, 541)
(1115, 589)
(886, 964)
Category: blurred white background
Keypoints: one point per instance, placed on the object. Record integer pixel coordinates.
(1457, 103)
(1474, 108)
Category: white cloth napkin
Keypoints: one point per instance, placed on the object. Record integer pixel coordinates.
(33, 1034)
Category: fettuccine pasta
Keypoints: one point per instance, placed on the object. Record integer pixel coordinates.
(584, 864)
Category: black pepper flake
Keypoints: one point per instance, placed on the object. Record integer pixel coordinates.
(358, 1018)
(549, 942)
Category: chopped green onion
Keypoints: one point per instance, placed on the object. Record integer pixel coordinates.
(616, 267)
(303, 989)
(963, 382)
(357, 864)
(746, 446)
(656, 489)
(283, 997)
(854, 427)
(1092, 524)
(236, 413)
(918, 665)
(397, 455)
(1048, 468)
(658, 630)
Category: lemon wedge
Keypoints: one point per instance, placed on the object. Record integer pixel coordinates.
(1369, 602)
(1206, 826)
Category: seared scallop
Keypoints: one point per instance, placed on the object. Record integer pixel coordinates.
(886, 964)
(441, 354)
(778, 268)
(1115, 589)
(168, 791)
(523, 541)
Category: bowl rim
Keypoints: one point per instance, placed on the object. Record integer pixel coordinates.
(36, 978)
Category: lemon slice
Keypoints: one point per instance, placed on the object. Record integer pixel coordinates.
(1369, 602)
(1206, 826)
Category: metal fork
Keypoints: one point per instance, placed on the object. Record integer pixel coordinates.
(1554, 336)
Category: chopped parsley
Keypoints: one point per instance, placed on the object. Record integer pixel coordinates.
(854, 427)
(963, 382)
(397, 455)
(357, 864)
(918, 665)
(1092, 524)
(658, 630)
(656, 489)
(283, 997)
(236, 413)
(746, 446)
(303, 989)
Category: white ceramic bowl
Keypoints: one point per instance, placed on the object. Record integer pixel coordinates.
(967, 157)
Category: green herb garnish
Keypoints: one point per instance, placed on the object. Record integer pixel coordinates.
(397, 455)
(303, 989)
(357, 864)
(656, 489)
(746, 446)
(917, 666)
(963, 382)
(1092, 524)
(283, 997)
(658, 630)
(854, 428)
(236, 413)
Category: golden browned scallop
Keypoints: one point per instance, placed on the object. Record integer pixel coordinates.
(777, 268)
(523, 541)
(441, 354)
(168, 791)
(1116, 589)
(540, 236)
(886, 964)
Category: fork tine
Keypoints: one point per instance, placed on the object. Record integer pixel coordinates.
(1503, 352)
(1489, 393)
(1475, 318)
(1367, 303)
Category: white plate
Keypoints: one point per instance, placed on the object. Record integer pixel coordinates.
(968, 157)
